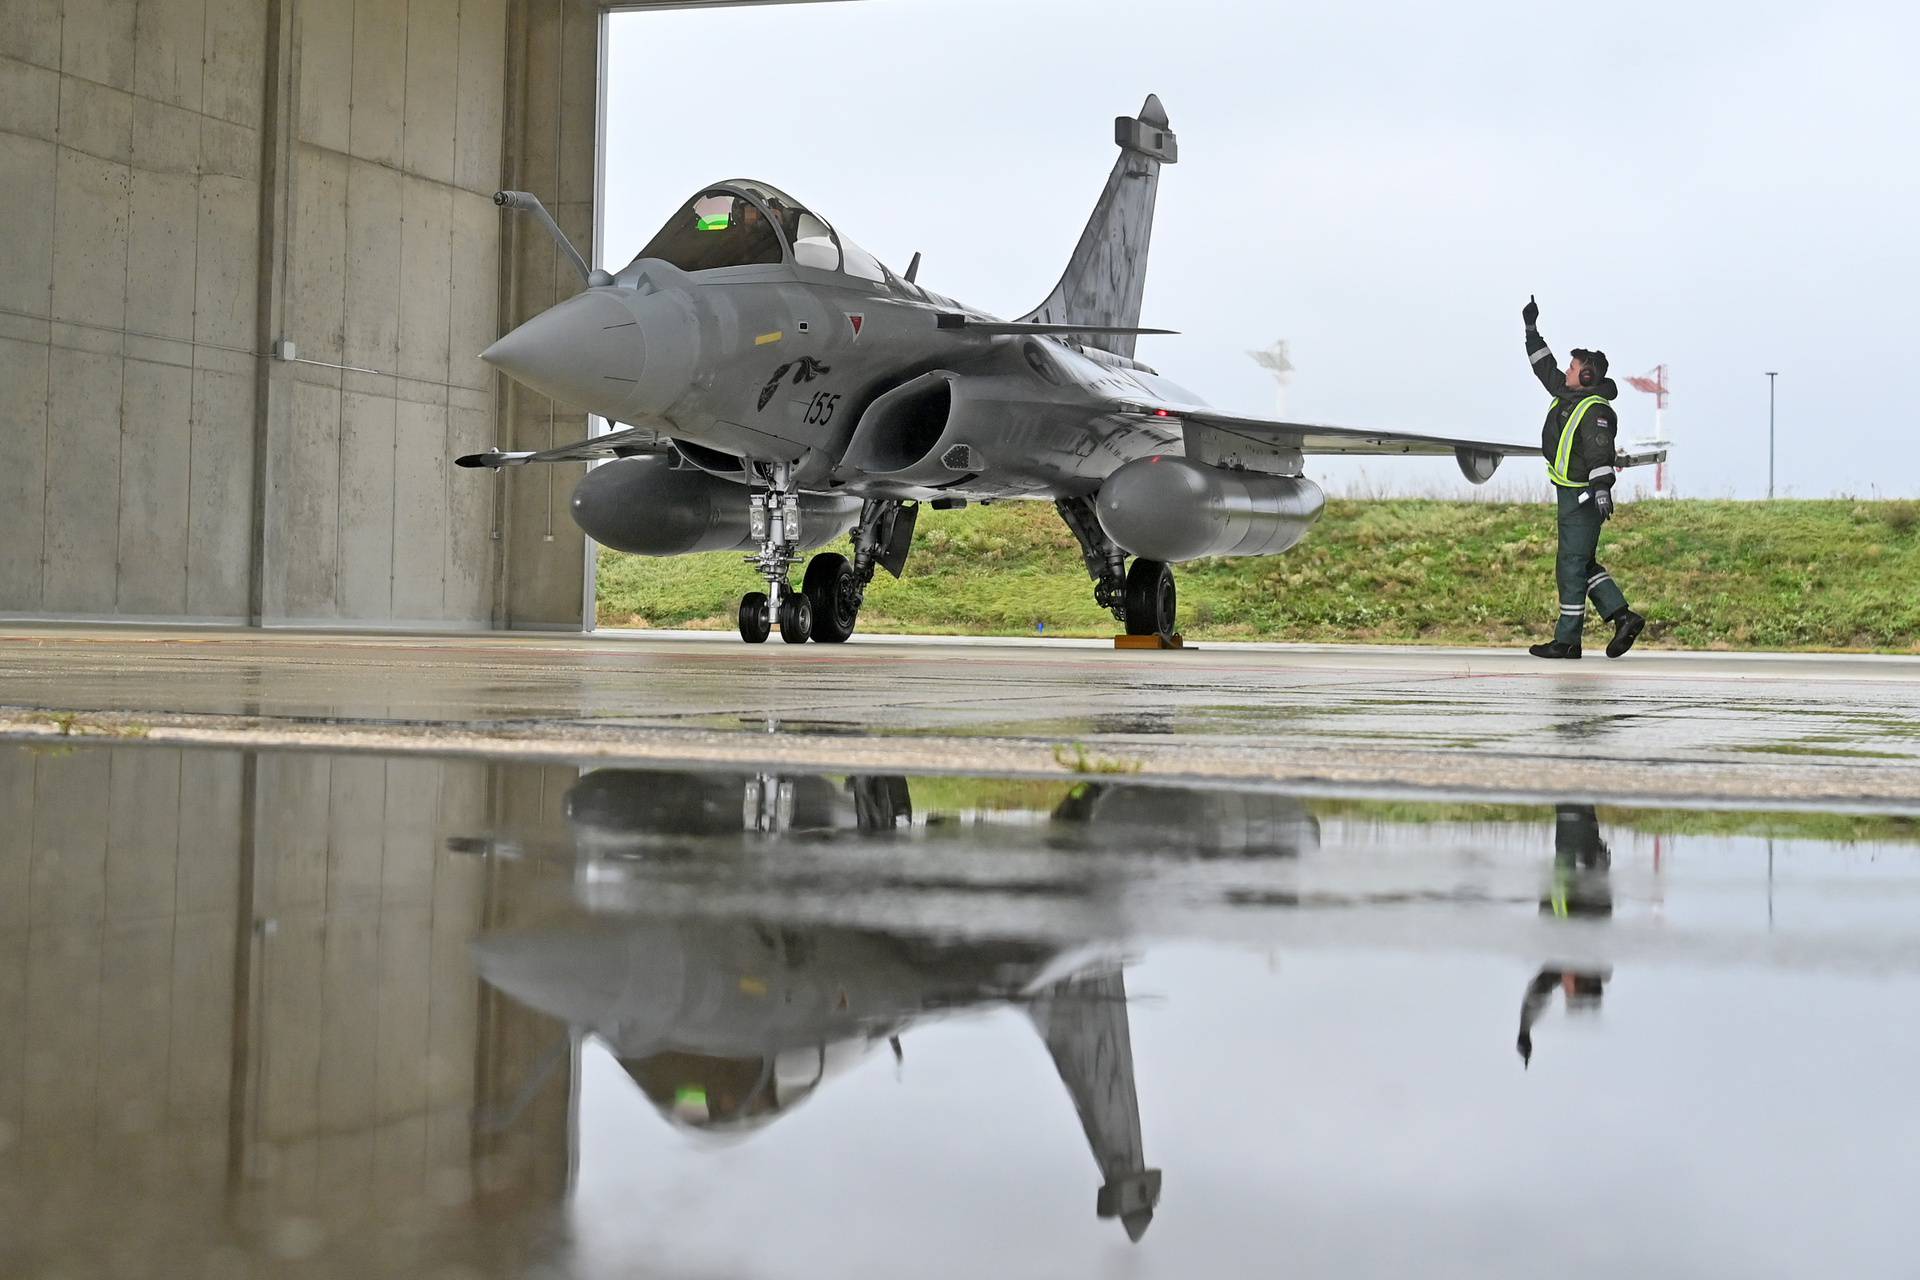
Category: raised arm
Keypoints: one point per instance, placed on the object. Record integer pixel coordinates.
(1539, 993)
(1545, 367)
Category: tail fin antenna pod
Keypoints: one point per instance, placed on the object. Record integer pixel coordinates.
(1107, 274)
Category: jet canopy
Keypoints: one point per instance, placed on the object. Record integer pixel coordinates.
(748, 224)
(720, 1092)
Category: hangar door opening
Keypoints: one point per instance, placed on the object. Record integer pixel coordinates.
(693, 96)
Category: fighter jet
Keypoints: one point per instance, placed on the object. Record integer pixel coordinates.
(778, 387)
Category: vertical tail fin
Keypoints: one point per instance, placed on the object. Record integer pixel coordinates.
(1107, 274)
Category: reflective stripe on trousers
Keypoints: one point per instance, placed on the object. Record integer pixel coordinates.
(1580, 575)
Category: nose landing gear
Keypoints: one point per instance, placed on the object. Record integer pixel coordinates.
(796, 618)
(773, 516)
(756, 617)
(758, 614)
(774, 519)
(827, 605)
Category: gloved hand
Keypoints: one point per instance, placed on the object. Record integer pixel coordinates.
(1531, 312)
(1603, 503)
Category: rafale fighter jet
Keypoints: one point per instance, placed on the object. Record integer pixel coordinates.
(780, 387)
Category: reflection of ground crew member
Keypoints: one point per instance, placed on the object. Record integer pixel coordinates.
(1581, 885)
(1577, 440)
(1580, 889)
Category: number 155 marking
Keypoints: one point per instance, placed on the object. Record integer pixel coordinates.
(820, 408)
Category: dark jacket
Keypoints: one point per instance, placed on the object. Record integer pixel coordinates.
(1593, 447)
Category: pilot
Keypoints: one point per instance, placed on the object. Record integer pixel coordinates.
(1577, 439)
(709, 1092)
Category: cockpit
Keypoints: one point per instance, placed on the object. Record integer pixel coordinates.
(714, 1092)
(747, 224)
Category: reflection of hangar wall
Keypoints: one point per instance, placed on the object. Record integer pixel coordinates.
(225, 978)
(185, 184)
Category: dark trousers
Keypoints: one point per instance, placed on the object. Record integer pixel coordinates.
(1579, 572)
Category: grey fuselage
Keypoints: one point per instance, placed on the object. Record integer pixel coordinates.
(841, 369)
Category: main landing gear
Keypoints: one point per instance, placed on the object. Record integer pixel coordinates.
(827, 605)
(1141, 596)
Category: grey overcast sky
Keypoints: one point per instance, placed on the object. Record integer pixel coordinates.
(1726, 189)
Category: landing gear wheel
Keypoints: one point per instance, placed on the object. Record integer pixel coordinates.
(756, 617)
(1151, 600)
(833, 589)
(796, 619)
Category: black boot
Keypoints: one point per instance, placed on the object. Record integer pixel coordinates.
(1627, 626)
(1555, 649)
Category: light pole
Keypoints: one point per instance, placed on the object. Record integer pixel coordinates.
(1771, 375)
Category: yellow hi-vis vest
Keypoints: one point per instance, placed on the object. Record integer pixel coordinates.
(1563, 456)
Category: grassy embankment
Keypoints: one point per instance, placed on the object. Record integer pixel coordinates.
(1827, 575)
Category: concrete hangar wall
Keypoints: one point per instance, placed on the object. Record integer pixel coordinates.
(187, 187)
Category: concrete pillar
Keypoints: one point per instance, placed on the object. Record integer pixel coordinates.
(380, 266)
(552, 122)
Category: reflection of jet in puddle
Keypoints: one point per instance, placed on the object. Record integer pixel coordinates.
(615, 812)
(611, 812)
(728, 1025)
(727, 1020)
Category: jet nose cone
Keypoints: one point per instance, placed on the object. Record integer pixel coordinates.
(587, 352)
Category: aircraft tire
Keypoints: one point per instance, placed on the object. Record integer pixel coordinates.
(1152, 603)
(796, 618)
(833, 591)
(756, 617)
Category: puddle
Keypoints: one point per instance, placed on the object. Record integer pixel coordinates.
(349, 1015)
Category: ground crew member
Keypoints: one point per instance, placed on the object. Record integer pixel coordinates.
(1577, 440)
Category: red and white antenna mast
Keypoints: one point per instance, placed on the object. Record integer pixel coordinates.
(1654, 383)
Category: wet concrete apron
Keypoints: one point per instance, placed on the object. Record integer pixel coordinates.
(1781, 729)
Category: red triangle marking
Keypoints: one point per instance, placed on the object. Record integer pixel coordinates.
(856, 319)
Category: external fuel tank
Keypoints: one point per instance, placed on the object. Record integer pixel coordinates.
(647, 506)
(1173, 509)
